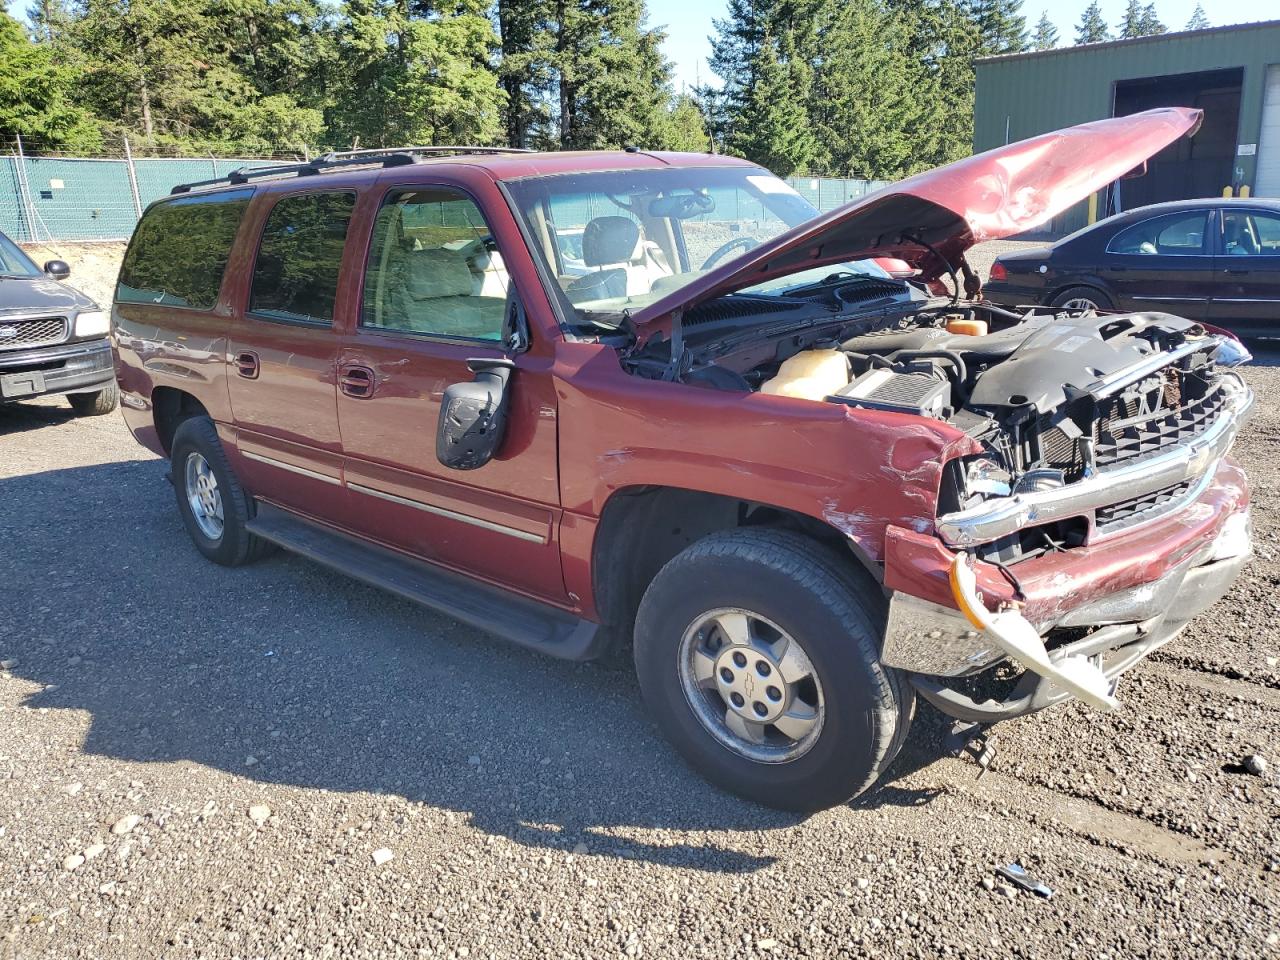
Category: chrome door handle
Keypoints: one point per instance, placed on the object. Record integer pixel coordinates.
(248, 365)
(356, 381)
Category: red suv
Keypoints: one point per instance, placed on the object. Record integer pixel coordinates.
(583, 400)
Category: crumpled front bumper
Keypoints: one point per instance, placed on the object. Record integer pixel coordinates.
(1138, 590)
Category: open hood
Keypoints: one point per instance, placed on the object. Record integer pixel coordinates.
(984, 197)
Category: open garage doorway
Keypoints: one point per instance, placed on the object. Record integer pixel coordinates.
(1198, 166)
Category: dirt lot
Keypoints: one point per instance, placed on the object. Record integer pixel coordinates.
(227, 749)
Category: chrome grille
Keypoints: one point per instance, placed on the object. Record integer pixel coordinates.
(32, 332)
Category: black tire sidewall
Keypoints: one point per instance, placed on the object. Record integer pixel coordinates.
(862, 710)
(198, 435)
(96, 404)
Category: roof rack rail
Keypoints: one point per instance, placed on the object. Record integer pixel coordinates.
(383, 157)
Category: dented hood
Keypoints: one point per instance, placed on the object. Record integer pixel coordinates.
(983, 197)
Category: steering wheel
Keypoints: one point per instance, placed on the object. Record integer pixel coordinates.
(746, 243)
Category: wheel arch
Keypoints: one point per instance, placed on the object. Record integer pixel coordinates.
(1092, 282)
(641, 528)
(169, 407)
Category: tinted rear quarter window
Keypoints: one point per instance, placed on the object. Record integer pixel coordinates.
(295, 277)
(179, 250)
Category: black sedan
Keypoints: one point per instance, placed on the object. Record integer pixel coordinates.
(1216, 261)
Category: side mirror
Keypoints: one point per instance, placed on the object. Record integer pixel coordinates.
(58, 269)
(473, 416)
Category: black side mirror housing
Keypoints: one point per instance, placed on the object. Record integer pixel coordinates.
(57, 269)
(473, 416)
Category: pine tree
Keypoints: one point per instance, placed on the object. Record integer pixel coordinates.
(1046, 35)
(871, 102)
(774, 129)
(683, 127)
(1001, 26)
(1131, 22)
(735, 48)
(1091, 28)
(36, 95)
(1150, 24)
(1198, 19)
(522, 68)
(416, 74)
(1140, 21)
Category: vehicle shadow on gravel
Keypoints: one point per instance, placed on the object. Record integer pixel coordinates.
(330, 685)
(20, 417)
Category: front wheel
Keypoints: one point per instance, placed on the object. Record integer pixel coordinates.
(757, 652)
(95, 404)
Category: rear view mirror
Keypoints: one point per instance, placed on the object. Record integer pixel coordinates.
(57, 269)
(682, 206)
(473, 416)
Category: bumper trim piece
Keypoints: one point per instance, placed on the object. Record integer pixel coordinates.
(1014, 633)
(1000, 517)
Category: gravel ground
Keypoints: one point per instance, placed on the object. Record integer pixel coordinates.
(236, 753)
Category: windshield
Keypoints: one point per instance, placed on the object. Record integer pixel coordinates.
(13, 262)
(619, 240)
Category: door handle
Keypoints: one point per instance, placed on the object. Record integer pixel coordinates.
(248, 365)
(1241, 273)
(356, 381)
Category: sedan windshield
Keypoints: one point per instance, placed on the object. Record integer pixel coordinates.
(13, 262)
(619, 240)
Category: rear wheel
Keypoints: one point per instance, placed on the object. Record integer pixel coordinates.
(757, 652)
(95, 404)
(214, 507)
(1082, 298)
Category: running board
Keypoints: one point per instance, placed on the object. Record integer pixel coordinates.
(514, 618)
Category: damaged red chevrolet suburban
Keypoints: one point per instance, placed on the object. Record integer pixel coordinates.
(583, 400)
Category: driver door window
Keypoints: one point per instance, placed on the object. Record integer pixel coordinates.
(1250, 234)
(434, 269)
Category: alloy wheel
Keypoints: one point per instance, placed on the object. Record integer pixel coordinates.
(751, 685)
(203, 496)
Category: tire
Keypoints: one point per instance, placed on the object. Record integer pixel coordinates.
(792, 585)
(195, 443)
(1083, 296)
(95, 404)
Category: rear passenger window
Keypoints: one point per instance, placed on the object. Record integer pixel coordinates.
(295, 277)
(1170, 236)
(179, 250)
(434, 268)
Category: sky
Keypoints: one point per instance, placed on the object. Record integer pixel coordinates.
(688, 24)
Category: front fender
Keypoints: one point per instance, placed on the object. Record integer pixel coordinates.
(860, 471)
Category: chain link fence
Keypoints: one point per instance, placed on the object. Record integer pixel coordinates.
(46, 196)
(50, 197)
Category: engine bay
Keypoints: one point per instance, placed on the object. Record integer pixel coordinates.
(1051, 396)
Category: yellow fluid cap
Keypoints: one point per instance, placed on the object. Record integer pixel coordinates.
(968, 328)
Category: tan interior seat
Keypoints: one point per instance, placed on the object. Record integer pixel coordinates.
(432, 292)
(618, 244)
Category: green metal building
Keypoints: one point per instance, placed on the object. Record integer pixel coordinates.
(1232, 73)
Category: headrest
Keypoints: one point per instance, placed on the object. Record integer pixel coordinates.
(436, 272)
(610, 240)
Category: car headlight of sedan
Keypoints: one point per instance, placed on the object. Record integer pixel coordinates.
(92, 323)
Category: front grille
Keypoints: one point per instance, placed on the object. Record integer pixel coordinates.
(38, 332)
(1123, 434)
(1128, 512)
